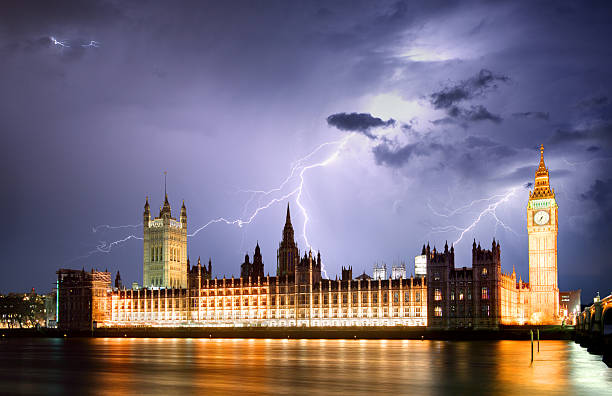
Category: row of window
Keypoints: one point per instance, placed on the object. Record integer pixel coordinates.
(460, 295)
(485, 311)
(157, 254)
(282, 300)
(323, 313)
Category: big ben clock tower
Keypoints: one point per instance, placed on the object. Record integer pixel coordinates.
(542, 228)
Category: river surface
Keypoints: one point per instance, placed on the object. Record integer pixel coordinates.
(117, 366)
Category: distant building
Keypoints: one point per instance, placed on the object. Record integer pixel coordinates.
(379, 271)
(22, 310)
(82, 298)
(569, 305)
(398, 271)
(51, 309)
(420, 265)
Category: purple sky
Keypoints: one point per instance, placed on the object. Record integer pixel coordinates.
(452, 102)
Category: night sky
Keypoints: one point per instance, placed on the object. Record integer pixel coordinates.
(434, 113)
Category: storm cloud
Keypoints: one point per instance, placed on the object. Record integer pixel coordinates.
(600, 193)
(463, 116)
(358, 122)
(473, 87)
(537, 115)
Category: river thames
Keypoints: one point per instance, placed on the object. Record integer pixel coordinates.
(112, 366)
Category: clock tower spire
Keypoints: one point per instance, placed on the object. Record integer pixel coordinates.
(542, 229)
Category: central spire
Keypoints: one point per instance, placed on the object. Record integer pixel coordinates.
(288, 220)
(165, 190)
(542, 183)
(542, 166)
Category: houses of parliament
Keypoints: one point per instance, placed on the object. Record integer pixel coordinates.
(176, 293)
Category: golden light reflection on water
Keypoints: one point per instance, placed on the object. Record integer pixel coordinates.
(217, 366)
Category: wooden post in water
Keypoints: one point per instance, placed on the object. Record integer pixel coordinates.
(531, 333)
(538, 340)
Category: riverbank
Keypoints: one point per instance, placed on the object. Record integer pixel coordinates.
(414, 333)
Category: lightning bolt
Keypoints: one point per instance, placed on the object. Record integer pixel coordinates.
(59, 42)
(489, 210)
(92, 43)
(105, 247)
(326, 162)
(111, 227)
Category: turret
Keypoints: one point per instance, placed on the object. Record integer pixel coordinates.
(184, 215)
(146, 216)
(347, 273)
(118, 283)
(165, 211)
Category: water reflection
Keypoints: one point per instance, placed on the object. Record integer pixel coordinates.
(168, 366)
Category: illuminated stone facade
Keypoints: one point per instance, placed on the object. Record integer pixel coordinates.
(543, 227)
(464, 297)
(485, 297)
(165, 248)
(298, 297)
(273, 302)
(536, 302)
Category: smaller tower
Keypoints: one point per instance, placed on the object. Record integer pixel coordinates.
(146, 216)
(246, 268)
(258, 265)
(118, 283)
(347, 273)
(184, 215)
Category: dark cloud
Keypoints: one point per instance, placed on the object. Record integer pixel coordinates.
(471, 88)
(562, 136)
(463, 116)
(502, 151)
(384, 154)
(594, 101)
(538, 115)
(358, 122)
(472, 153)
(600, 193)
(600, 134)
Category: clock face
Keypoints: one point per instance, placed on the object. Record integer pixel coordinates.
(541, 217)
